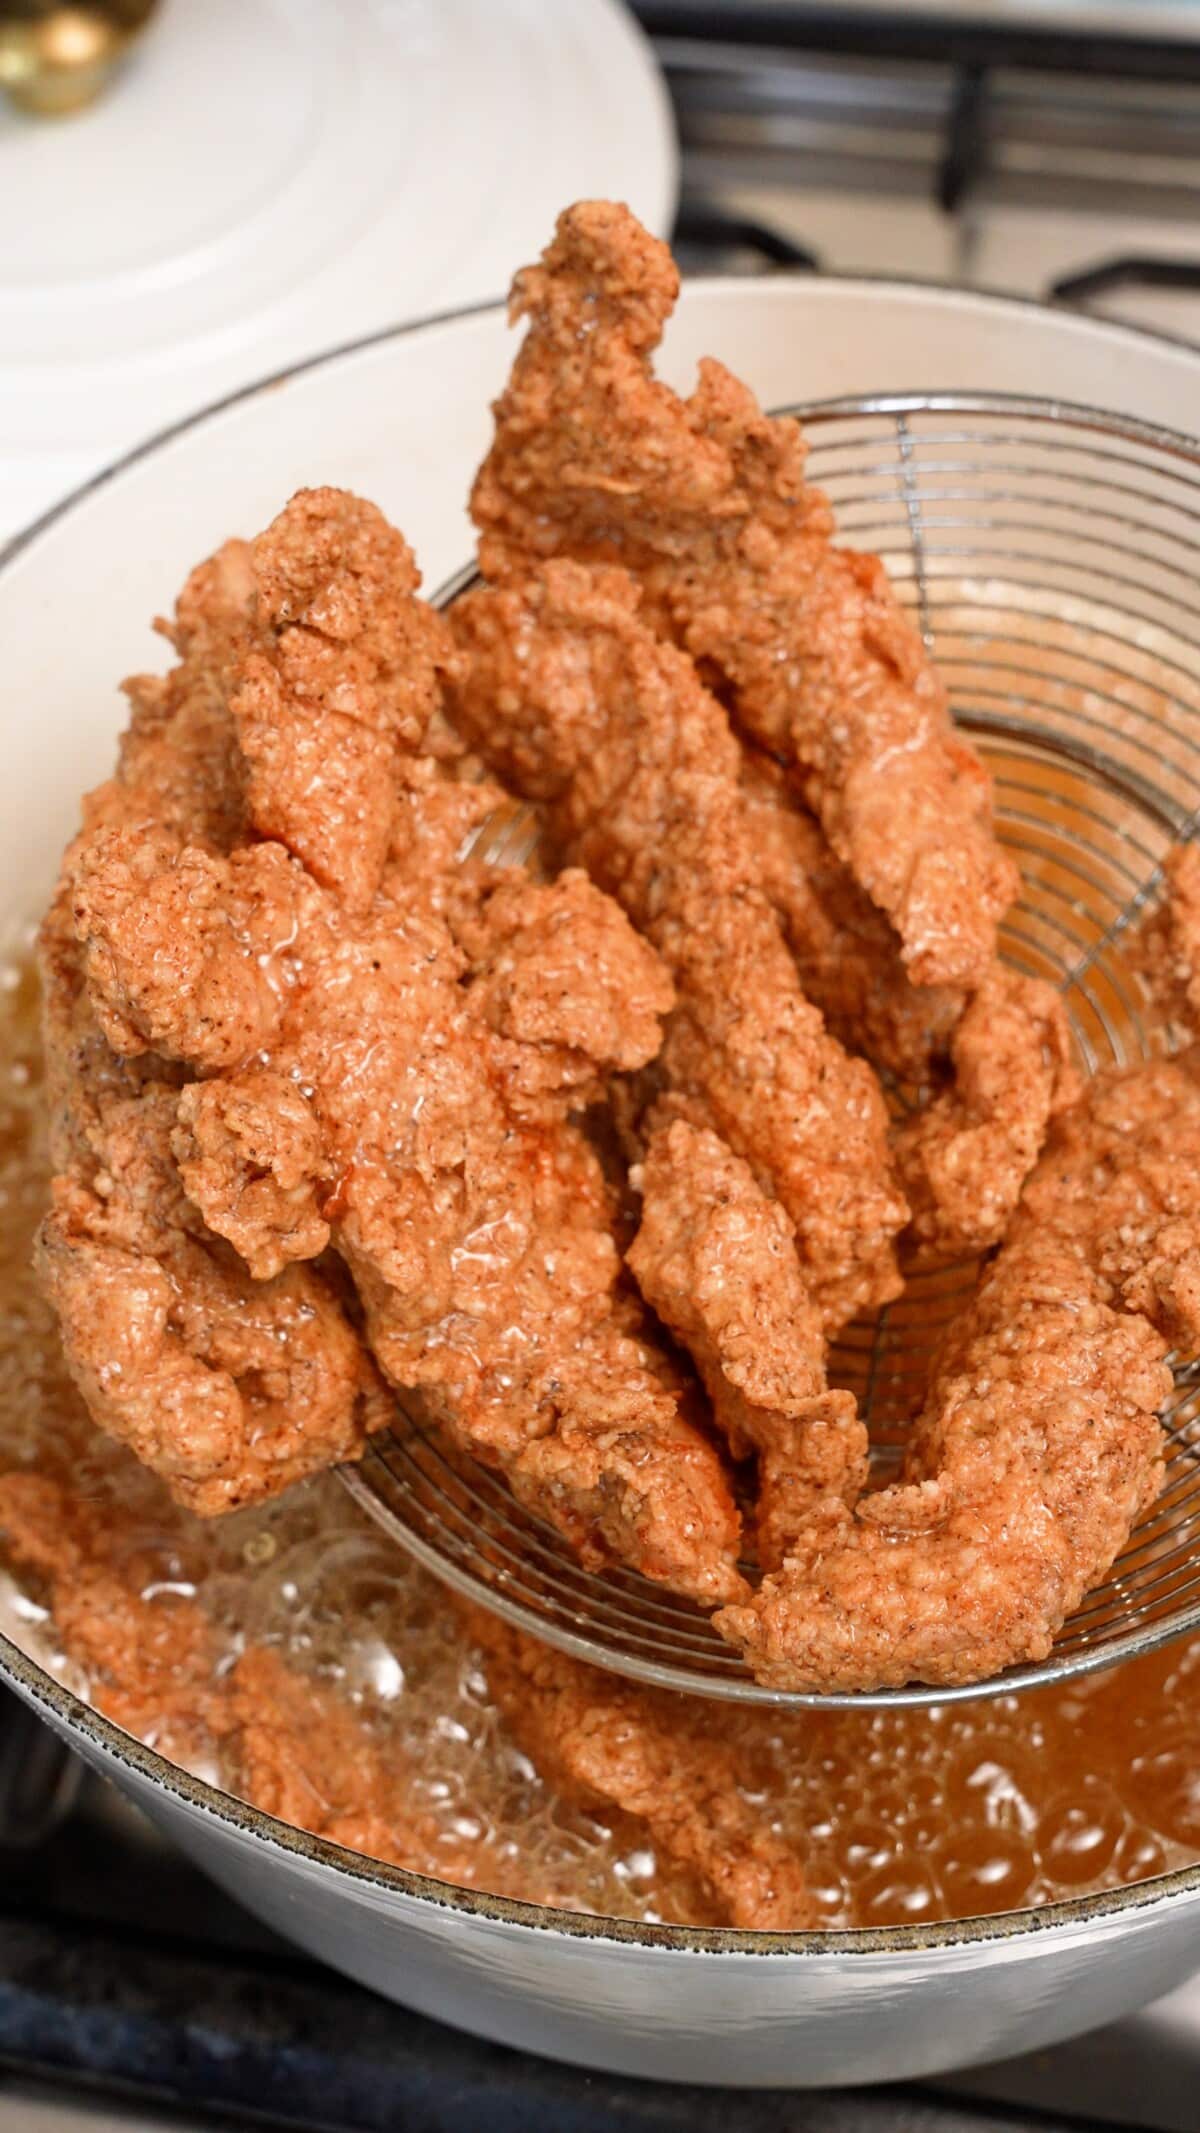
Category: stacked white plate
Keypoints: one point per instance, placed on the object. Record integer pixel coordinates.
(269, 178)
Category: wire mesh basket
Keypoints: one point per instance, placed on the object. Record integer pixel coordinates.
(1051, 555)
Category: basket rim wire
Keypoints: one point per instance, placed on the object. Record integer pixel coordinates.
(455, 1516)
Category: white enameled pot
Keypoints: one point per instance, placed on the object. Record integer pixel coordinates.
(404, 419)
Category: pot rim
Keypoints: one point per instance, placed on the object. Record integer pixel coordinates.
(213, 1804)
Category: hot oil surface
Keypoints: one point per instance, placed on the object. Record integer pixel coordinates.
(900, 1817)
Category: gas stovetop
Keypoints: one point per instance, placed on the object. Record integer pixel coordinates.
(125, 1974)
(1048, 150)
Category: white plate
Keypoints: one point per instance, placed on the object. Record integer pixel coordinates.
(269, 178)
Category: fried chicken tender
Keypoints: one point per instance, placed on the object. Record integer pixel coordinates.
(294, 1748)
(1039, 1444)
(348, 684)
(846, 953)
(705, 501)
(1002, 1049)
(654, 1756)
(178, 765)
(180, 946)
(251, 1154)
(964, 1159)
(440, 853)
(304, 1756)
(574, 701)
(1166, 947)
(717, 1261)
(149, 1663)
(373, 1082)
(570, 991)
(231, 1389)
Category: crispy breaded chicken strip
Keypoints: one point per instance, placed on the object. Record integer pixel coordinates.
(964, 1159)
(652, 1755)
(371, 1082)
(479, 1236)
(717, 1261)
(181, 945)
(346, 685)
(148, 1664)
(1040, 1442)
(556, 1032)
(178, 766)
(442, 841)
(292, 1746)
(705, 501)
(998, 1055)
(295, 1749)
(574, 701)
(229, 1388)
(847, 954)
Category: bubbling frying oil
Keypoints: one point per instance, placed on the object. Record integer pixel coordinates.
(900, 1817)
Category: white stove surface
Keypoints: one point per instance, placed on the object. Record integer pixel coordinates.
(1143, 2072)
(1009, 249)
(24, 2110)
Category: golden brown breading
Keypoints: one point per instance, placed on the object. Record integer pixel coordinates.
(252, 1156)
(846, 953)
(652, 1755)
(149, 1664)
(574, 701)
(1039, 1443)
(570, 992)
(440, 854)
(717, 1261)
(705, 501)
(345, 683)
(178, 767)
(480, 1241)
(295, 1749)
(964, 1159)
(181, 948)
(230, 1388)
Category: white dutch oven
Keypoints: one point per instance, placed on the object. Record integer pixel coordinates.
(404, 419)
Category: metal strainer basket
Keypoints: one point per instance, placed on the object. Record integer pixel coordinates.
(1052, 557)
